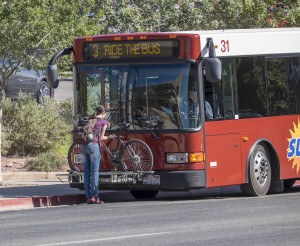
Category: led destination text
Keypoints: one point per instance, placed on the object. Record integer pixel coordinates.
(131, 49)
(135, 49)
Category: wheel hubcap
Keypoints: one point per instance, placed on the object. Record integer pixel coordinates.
(136, 159)
(44, 90)
(261, 168)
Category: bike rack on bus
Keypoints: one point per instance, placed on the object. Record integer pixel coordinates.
(112, 177)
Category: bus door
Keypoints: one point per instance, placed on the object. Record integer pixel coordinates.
(223, 146)
(223, 158)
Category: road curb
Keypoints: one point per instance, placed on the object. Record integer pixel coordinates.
(36, 202)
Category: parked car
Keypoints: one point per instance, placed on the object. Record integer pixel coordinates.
(28, 81)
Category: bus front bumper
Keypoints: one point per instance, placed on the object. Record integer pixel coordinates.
(158, 180)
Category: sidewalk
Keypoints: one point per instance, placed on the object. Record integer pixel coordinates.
(37, 189)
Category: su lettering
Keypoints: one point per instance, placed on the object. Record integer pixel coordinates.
(294, 148)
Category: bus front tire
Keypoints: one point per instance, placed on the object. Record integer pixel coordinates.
(143, 194)
(259, 172)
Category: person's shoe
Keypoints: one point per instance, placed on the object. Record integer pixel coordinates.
(96, 200)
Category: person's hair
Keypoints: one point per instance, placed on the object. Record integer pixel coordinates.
(99, 110)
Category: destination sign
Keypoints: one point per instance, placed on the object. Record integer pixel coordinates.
(131, 49)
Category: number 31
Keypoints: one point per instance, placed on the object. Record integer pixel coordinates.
(225, 46)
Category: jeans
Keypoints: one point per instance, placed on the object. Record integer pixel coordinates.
(91, 161)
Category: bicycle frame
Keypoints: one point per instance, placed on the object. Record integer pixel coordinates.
(114, 154)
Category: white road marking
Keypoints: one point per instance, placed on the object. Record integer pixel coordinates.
(104, 239)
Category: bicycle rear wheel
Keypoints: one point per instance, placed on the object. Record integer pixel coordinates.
(136, 155)
(75, 160)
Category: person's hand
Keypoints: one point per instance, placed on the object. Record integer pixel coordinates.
(112, 136)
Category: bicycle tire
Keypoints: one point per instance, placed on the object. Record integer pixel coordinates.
(74, 166)
(136, 155)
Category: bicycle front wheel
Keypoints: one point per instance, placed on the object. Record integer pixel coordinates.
(136, 155)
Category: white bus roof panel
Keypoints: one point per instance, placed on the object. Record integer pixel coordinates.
(249, 42)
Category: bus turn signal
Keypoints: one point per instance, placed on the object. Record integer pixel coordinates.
(197, 157)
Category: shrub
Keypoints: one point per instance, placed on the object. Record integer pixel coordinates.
(65, 111)
(30, 128)
(47, 162)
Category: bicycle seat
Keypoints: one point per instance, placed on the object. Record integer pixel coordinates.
(153, 122)
(124, 125)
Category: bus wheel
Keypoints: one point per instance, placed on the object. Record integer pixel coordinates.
(143, 194)
(259, 172)
(288, 183)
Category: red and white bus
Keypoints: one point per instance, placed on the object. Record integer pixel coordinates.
(227, 103)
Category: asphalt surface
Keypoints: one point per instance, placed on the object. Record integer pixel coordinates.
(65, 90)
(33, 189)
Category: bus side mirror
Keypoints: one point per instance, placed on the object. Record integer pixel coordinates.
(213, 70)
(52, 76)
(51, 70)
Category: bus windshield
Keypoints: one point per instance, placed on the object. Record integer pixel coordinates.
(160, 96)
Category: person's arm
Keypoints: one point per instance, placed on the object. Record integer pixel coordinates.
(208, 110)
(102, 134)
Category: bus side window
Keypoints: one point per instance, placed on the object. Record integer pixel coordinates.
(229, 84)
(251, 87)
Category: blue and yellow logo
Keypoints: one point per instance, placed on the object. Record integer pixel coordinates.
(293, 152)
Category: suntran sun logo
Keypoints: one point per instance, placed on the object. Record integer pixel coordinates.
(294, 147)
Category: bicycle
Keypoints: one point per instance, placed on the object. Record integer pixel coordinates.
(132, 155)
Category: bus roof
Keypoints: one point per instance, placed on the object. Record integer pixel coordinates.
(248, 42)
(228, 43)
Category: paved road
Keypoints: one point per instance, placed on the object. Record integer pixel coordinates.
(183, 218)
(64, 90)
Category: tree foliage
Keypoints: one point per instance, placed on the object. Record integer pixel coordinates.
(150, 16)
(31, 30)
(250, 14)
(175, 15)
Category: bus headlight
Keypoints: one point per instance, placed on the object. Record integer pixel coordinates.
(185, 157)
(177, 157)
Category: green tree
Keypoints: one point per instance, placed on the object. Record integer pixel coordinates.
(175, 15)
(149, 16)
(31, 30)
(233, 14)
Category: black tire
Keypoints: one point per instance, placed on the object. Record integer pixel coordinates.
(73, 166)
(136, 155)
(144, 194)
(259, 172)
(43, 92)
(288, 183)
